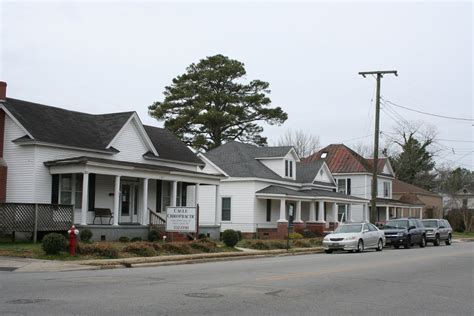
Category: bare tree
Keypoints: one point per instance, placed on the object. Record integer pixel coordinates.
(363, 149)
(304, 144)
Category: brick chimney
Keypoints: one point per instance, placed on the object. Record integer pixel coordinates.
(3, 90)
(3, 163)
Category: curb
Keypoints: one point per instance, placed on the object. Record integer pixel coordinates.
(192, 259)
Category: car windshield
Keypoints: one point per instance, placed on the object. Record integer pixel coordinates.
(349, 229)
(396, 224)
(430, 223)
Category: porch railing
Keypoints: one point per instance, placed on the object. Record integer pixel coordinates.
(30, 217)
(156, 220)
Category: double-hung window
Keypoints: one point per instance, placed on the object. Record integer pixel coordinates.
(71, 189)
(386, 189)
(291, 169)
(226, 208)
(341, 186)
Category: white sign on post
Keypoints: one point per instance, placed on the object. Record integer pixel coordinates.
(181, 219)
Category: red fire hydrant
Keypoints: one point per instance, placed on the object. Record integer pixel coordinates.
(72, 232)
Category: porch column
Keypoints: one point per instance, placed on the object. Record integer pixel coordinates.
(145, 215)
(349, 212)
(298, 212)
(116, 200)
(282, 223)
(421, 213)
(85, 197)
(321, 211)
(312, 211)
(387, 213)
(218, 207)
(282, 211)
(196, 194)
(409, 211)
(174, 192)
(334, 212)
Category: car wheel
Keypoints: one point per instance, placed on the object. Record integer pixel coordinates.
(328, 251)
(379, 245)
(448, 241)
(407, 243)
(436, 241)
(360, 246)
(396, 246)
(423, 241)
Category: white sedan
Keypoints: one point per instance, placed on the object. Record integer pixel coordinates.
(354, 237)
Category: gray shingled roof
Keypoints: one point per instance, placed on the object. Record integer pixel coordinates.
(169, 146)
(70, 128)
(274, 189)
(239, 160)
(59, 126)
(306, 172)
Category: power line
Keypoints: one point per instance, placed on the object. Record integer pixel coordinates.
(427, 113)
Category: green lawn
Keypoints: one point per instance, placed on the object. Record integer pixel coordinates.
(463, 235)
(35, 251)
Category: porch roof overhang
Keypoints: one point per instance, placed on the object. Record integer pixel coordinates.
(128, 169)
(397, 203)
(276, 192)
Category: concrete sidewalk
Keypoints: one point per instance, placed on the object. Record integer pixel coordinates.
(16, 264)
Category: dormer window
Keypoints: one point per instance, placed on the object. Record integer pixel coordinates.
(324, 155)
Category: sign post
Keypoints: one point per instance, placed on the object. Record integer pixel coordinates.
(181, 219)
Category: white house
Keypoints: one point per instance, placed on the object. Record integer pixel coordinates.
(95, 162)
(353, 175)
(263, 183)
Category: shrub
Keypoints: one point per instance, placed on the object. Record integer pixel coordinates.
(309, 234)
(154, 245)
(202, 236)
(102, 249)
(208, 242)
(140, 249)
(260, 245)
(85, 235)
(301, 243)
(175, 248)
(124, 239)
(135, 239)
(275, 244)
(202, 247)
(230, 237)
(154, 235)
(316, 241)
(53, 243)
(295, 236)
(239, 233)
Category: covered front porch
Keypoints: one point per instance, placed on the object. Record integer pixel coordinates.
(389, 208)
(313, 210)
(123, 194)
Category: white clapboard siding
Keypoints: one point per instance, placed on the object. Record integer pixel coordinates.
(20, 162)
(130, 144)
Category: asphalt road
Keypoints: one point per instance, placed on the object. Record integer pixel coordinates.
(429, 281)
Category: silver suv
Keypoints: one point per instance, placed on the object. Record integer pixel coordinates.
(438, 230)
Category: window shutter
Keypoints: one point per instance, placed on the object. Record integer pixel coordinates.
(91, 197)
(269, 210)
(159, 184)
(55, 189)
(348, 186)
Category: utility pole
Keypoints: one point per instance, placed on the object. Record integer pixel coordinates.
(379, 74)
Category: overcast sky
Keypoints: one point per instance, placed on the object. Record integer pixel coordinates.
(118, 56)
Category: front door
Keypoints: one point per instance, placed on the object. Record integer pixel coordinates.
(129, 203)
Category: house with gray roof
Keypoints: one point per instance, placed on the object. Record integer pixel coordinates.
(93, 162)
(266, 187)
